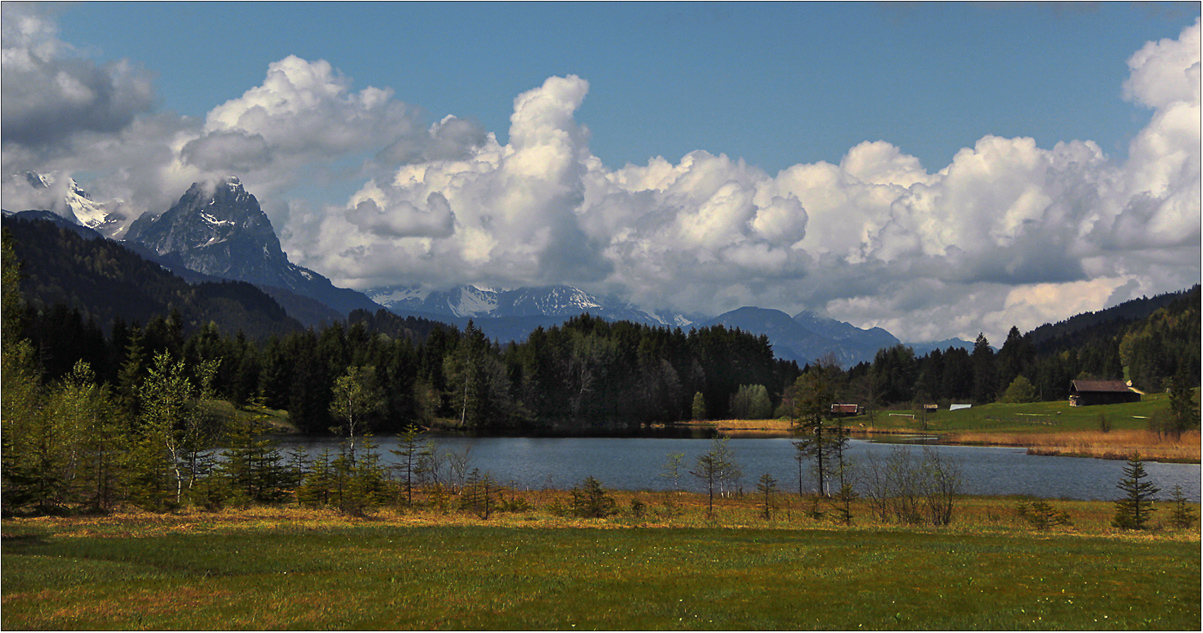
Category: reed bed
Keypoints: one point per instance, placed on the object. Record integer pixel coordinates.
(548, 508)
(1115, 444)
(744, 428)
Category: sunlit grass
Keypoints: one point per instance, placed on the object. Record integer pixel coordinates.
(275, 568)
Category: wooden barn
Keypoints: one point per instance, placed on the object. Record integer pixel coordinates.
(1083, 393)
(841, 410)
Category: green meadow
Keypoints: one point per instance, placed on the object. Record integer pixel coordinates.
(296, 569)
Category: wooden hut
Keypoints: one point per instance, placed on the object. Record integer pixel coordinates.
(1083, 393)
(841, 410)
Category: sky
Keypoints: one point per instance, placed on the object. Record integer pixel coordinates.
(936, 169)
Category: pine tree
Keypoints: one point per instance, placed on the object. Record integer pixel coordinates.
(984, 373)
(408, 453)
(252, 462)
(1181, 516)
(811, 397)
(1133, 511)
(766, 487)
(1184, 412)
(364, 486)
(318, 486)
(131, 375)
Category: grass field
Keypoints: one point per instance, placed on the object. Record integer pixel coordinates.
(277, 568)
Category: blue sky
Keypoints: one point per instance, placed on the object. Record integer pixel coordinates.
(773, 83)
(937, 169)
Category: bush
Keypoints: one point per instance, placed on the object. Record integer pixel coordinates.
(638, 508)
(589, 500)
(1019, 391)
(909, 491)
(1041, 515)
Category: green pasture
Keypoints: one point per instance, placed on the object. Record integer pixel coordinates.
(1033, 417)
(369, 576)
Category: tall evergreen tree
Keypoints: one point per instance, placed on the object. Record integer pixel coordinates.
(1133, 511)
(985, 376)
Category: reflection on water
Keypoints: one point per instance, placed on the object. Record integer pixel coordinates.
(637, 464)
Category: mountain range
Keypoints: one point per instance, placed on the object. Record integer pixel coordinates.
(219, 231)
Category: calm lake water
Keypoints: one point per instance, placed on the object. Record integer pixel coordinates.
(638, 464)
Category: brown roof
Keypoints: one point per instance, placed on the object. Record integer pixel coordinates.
(1100, 386)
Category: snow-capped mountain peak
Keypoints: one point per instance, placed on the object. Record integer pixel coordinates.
(76, 204)
(219, 229)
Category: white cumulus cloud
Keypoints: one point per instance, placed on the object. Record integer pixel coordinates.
(1008, 233)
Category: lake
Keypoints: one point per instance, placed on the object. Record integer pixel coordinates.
(638, 464)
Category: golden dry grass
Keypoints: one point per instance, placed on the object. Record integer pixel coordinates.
(1116, 444)
(743, 428)
(663, 510)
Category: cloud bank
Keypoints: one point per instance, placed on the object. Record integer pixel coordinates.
(1008, 233)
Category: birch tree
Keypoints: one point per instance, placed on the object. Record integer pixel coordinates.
(356, 399)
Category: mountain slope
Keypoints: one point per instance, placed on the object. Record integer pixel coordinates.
(104, 280)
(1073, 331)
(221, 230)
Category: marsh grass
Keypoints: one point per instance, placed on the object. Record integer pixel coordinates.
(1116, 444)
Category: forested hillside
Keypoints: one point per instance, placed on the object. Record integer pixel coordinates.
(102, 281)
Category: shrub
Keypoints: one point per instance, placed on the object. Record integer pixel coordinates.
(589, 500)
(1041, 515)
(638, 508)
(1181, 516)
(1019, 391)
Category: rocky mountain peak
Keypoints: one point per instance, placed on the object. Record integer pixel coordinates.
(209, 215)
(219, 229)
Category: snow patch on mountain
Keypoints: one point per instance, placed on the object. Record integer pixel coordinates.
(76, 204)
(390, 296)
(470, 301)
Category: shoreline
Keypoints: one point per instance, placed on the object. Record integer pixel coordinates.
(1114, 445)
